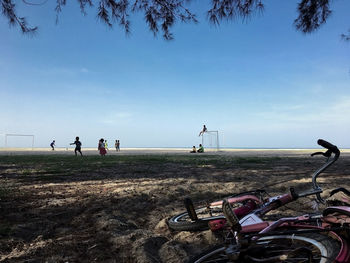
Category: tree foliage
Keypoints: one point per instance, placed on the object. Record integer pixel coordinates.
(346, 37)
(161, 15)
(312, 14)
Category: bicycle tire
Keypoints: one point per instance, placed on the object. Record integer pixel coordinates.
(178, 224)
(182, 221)
(324, 248)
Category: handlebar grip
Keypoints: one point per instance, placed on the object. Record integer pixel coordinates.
(328, 146)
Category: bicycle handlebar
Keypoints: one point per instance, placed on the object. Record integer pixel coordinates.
(330, 149)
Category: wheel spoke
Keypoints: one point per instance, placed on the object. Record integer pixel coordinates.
(301, 248)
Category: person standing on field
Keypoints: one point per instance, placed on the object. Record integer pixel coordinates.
(101, 147)
(77, 146)
(117, 145)
(53, 145)
(106, 145)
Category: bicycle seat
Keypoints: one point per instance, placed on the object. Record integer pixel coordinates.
(340, 189)
(339, 197)
(344, 210)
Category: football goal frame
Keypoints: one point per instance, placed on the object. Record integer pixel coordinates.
(216, 135)
(19, 135)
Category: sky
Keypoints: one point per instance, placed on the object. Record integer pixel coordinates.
(259, 83)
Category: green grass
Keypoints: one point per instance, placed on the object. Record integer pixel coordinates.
(56, 167)
(58, 164)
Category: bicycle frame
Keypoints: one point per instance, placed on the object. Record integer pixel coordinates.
(253, 216)
(252, 205)
(328, 222)
(245, 236)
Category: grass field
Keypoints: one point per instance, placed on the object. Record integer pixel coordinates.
(61, 208)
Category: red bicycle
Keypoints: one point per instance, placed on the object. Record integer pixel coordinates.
(322, 238)
(250, 206)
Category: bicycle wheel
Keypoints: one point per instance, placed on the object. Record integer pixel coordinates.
(183, 222)
(297, 248)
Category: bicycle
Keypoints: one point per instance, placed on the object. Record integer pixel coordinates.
(320, 238)
(244, 204)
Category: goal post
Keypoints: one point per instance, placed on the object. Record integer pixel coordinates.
(30, 136)
(210, 139)
(2, 136)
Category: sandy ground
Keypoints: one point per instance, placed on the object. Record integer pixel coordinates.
(142, 151)
(119, 213)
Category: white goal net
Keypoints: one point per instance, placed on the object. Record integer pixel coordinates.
(210, 140)
(19, 140)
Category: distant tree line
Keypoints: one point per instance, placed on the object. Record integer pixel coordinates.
(161, 15)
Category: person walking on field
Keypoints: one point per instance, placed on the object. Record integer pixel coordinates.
(203, 130)
(117, 145)
(53, 145)
(106, 145)
(77, 146)
(101, 147)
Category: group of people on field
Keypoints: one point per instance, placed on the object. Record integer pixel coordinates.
(77, 146)
(102, 146)
(200, 148)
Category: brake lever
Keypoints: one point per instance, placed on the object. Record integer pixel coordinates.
(326, 154)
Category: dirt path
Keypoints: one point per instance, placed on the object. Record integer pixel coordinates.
(115, 209)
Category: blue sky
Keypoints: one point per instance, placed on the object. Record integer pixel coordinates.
(260, 83)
